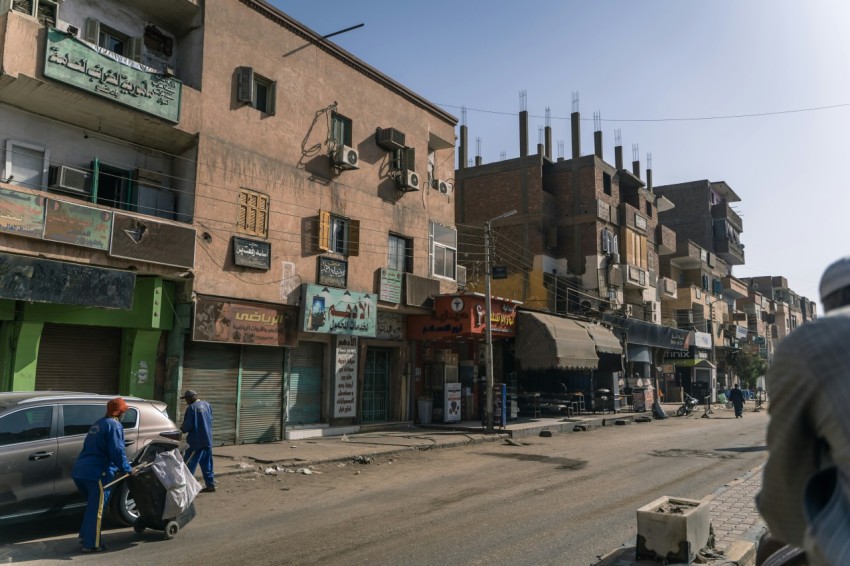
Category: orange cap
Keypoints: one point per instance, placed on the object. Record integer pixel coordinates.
(116, 407)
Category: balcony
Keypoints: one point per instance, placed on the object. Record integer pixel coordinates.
(636, 278)
(722, 210)
(666, 240)
(733, 288)
(729, 251)
(23, 84)
(689, 255)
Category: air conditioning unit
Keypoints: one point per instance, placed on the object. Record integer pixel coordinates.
(615, 258)
(69, 180)
(408, 180)
(390, 139)
(346, 158)
(461, 276)
(441, 186)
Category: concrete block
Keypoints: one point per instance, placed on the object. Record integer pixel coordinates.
(672, 529)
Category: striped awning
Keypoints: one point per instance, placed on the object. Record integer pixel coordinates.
(606, 342)
(552, 342)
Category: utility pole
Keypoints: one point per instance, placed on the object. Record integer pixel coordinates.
(488, 323)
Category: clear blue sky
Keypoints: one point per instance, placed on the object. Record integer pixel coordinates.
(643, 64)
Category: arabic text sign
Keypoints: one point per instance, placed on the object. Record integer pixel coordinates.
(73, 62)
(333, 272)
(390, 286)
(252, 253)
(389, 326)
(345, 394)
(244, 323)
(21, 213)
(339, 311)
(76, 224)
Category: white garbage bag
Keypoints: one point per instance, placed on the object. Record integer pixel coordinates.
(182, 487)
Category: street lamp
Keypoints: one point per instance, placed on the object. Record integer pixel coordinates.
(488, 324)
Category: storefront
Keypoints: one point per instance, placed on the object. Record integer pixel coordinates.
(694, 371)
(236, 360)
(448, 356)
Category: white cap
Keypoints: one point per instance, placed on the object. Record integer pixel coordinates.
(836, 276)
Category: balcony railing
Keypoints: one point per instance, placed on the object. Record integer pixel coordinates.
(723, 210)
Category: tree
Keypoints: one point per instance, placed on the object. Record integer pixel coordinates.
(748, 367)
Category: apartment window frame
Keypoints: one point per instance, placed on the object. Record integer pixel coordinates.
(253, 213)
(11, 151)
(400, 253)
(37, 10)
(341, 130)
(258, 91)
(443, 251)
(606, 183)
(338, 234)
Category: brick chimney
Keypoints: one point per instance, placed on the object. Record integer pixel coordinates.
(576, 133)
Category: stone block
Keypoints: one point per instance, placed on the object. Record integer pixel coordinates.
(672, 529)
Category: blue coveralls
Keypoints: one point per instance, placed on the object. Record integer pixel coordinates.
(102, 457)
(197, 424)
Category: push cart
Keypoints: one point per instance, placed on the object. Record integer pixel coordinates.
(150, 496)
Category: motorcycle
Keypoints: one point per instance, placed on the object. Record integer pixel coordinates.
(687, 407)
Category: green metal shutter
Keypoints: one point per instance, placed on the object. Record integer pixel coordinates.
(213, 371)
(305, 384)
(78, 358)
(261, 394)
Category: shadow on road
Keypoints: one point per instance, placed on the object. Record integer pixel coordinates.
(562, 463)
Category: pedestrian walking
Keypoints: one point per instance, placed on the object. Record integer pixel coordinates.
(737, 398)
(197, 425)
(803, 497)
(100, 461)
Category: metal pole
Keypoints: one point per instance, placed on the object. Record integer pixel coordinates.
(488, 330)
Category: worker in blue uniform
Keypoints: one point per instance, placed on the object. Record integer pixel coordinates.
(197, 424)
(101, 460)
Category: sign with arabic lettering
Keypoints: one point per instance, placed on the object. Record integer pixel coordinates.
(252, 253)
(333, 272)
(389, 326)
(21, 213)
(71, 61)
(245, 323)
(390, 285)
(76, 224)
(339, 311)
(345, 394)
(148, 240)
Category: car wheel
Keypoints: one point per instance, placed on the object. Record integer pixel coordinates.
(124, 508)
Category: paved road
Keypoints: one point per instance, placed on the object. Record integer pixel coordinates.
(561, 500)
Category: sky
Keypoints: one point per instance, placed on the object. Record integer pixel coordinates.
(751, 92)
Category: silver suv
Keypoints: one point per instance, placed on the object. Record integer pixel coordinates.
(41, 435)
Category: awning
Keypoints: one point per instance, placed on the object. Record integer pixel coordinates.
(606, 342)
(692, 362)
(552, 342)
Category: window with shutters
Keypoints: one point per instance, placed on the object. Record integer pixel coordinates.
(26, 165)
(400, 256)
(340, 129)
(256, 90)
(43, 10)
(253, 213)
(338, 234)
(443, 251)
(636, 249)
(113, 40)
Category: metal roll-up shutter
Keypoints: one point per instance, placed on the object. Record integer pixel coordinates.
(78, 358)
(305, 383)
(213, 371)
(261, 394)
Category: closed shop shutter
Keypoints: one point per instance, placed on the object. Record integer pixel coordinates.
(213, 371)
(78, 358)
(305, 384)
(261, 408)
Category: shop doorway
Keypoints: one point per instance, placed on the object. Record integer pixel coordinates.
(376, 386)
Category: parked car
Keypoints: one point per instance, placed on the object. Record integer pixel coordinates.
(41, 435)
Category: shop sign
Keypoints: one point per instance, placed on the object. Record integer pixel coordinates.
(458, 315)
(77, 224)
(740, 332)
(702, 340)
(389, 326)
(144, 239)
(111, 76)
(333, 272)
(345, 393)
(234, 322)
(21, 214)
(252, 253)
(452, 403)
(339, 311)
(37, 280)
(390, 285)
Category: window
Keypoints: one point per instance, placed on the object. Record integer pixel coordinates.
(340, 129)
(606, 183)
(253, 213)
(443, 251)
(636, 249)
(255, 90)
(610, 242)
(400, 256)
(338, 234)
(44, 10)
(432, 168)
(77, 419)
(157, 42)
(115, 187)
(649, 209)
(26, 164)
(113, 40)
(26, 425)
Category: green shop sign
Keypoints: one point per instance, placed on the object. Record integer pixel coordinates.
(21, 213)
(79, 64)
(76, 224)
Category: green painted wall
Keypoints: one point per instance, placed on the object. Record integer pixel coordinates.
(138, 362)
(7, 310)
(27, 336)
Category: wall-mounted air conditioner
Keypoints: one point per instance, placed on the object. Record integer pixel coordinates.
(408, 180)
(346, 158)
(69, 180)
(441, 186)
(390, 139)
